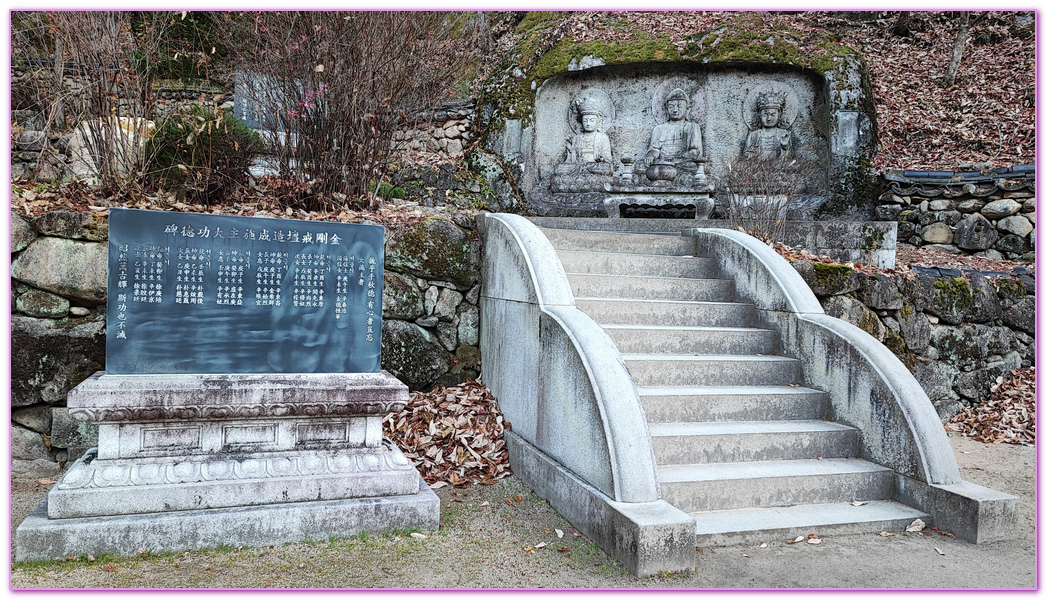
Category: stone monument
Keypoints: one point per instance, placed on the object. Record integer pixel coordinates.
(242, 398)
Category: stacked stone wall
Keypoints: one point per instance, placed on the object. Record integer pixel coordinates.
(989, 217)
(957, 332)
(445, 130)
(430, 326)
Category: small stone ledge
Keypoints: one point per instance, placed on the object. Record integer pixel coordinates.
(969, 511)
(647, 538)
(40, 538)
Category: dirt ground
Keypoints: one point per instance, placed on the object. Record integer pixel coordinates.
(491, 536)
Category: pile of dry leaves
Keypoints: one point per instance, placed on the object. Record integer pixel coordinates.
(1007, 416)
(452, 435)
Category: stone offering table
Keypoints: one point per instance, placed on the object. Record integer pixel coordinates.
(664, 202)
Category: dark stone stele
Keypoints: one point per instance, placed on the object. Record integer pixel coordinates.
(195, 293)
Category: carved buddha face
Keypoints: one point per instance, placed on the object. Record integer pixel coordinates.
(676, 109)
(769, 116)
(590, 123)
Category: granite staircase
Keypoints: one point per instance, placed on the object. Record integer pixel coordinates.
(740, 444)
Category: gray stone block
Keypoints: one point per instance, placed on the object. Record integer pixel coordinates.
(22, 233)
(73, 269)
(37, 418)
(998, 209)
(40, 538)
(67, 432)
(27, 444)
(51, 357)
(91, 226)
(41, 304)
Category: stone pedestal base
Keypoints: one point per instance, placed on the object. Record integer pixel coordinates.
(41, 538)
(191, 461)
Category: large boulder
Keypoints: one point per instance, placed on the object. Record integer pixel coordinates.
(435, 249)
(76, 270)
(915, 329)
(958, 300)
(22, 233)
(412, 354)
(880, 292)
(90, 226)
(828, 279)
(1017, 224)
(49, 357)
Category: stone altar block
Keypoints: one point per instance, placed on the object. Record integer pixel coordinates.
(198, 460)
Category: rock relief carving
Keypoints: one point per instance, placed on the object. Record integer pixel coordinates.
(587, 160)
(675, 151)
(770, 111)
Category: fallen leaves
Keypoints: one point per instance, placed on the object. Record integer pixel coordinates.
(453, 436)
(1007, 416)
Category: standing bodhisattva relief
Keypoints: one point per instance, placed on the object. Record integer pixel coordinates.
(770, 111)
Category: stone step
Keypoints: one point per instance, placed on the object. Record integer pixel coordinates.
(755, 525)
(748, 441)
(651, 288)
(623, 311)
(640, 339)
(650, 265)
(712, 369)
(732, 403)
(631, 243)
(722, 486)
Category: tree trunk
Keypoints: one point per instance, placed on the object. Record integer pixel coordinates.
(957, 48)
(901, 25)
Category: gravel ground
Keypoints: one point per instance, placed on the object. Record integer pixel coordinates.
(486, 532)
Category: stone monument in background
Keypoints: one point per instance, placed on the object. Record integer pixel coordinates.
(242, 398)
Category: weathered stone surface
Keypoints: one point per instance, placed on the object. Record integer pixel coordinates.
(1022, 315)
(473, 295)
(73, 269)
(49, 357)
(999, 209)
(950, 217)
(435, 249)
(946, 248)
(432, 294)
(401, 298)
(31, 141)
(90, 226)
(79, 311)
(936, 384)
(22, 233)
(1009, 291)
(970, 206)
(915, 329)
(37, 303)
(974, 232)
(947, 409)
(447, 333)
(827, 279)
(937, 233)
(942, 204)
(989, 254)
(469, 325)
(855, 313)
(1016, 224)
(880, 292)
(67, 432)
(27, 444)
(888, 212)
(412, 354)
(1011, 243)
(465, 368)
(1029, 205)
(447, 304)
(977, 384)
(37, 418)
(965, 346)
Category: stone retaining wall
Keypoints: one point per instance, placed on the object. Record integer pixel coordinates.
(991, 214)
(956, 332)
(445, 129)
(430, 327)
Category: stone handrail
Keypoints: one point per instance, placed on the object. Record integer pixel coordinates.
(869, 388)
(558, 378)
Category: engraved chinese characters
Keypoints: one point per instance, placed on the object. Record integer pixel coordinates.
(216, 294)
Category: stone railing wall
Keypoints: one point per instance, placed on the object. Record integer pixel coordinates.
(989, 213)
(955, 331)
(430, 327)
